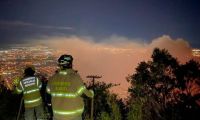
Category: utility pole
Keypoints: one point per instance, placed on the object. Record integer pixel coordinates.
(93, 78)
(92, 101)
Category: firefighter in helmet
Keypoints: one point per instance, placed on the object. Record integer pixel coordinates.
(30, 87)
(66, 88)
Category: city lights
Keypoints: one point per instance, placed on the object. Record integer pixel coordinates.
(14, 60)
(196, 52)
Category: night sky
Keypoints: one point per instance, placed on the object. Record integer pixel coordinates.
(24, 20)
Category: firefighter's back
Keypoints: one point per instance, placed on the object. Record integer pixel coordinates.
(66, 88)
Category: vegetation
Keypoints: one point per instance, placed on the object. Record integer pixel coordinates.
(165, 89)
(107, 105)
(9, 104)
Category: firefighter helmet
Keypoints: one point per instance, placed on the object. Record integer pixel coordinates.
(29, 70)
(65, 61)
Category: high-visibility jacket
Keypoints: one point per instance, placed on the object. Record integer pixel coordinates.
(30, 87)
(66, 88)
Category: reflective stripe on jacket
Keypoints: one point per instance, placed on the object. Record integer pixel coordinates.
(66, 88)
(30, 86)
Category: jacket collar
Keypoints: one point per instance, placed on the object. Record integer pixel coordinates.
(65, 72)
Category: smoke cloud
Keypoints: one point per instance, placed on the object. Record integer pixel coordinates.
(116, 57)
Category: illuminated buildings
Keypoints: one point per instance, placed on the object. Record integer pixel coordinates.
(14, 60)
(196, 52)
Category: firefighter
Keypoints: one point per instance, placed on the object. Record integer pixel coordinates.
(30, 87)
(66, 88)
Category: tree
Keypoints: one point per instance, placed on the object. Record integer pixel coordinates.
(188, 78)
(162, 87)
(105, 106)
(113, 103)
(135, 110)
